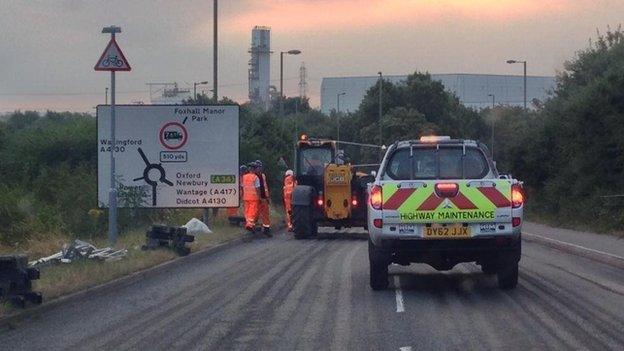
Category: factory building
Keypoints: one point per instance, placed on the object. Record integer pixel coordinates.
(260, 67)
(473, 90)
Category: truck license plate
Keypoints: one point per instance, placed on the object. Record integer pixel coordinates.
(450, 231)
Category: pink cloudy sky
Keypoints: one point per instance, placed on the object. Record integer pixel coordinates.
(48, 48)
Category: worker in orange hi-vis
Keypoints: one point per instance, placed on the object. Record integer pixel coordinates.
(251, 198)
(232, 212)
(289, 186)
(265, 214)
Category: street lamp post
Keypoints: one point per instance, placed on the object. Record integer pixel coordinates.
(525, 79)
(289, 52)
(493, 103)
(338, 112)
(195, 84)
(380, 92)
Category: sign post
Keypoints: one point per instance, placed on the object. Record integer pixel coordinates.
(112, 59)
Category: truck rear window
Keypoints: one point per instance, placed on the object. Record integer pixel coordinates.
(432, 163)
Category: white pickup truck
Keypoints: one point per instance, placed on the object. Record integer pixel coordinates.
(441, 201)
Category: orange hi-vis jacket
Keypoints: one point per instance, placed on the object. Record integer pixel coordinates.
(251, 187)
(264, 187)
(289, 186)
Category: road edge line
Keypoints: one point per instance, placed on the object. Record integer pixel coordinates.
(115, 283)
(596, 255)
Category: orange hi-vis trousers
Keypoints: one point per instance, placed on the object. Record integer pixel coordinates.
(289, 185)
(252, 208)
(288, 210)
(265, 215)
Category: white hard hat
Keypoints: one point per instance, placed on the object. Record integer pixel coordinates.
(289, 172)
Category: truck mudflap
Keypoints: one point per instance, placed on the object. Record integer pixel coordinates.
(446, 201)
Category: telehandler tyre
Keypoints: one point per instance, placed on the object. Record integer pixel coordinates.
(303, 222)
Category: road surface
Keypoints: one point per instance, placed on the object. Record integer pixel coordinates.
(285, 294)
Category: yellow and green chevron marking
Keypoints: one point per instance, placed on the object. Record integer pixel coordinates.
(472, 203)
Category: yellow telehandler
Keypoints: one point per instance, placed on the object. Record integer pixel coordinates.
(329, 191)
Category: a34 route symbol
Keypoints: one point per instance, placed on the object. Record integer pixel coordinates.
(173, 135)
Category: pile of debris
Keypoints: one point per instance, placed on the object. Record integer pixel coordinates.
(80, 250)
(16, 281)
(172, 237)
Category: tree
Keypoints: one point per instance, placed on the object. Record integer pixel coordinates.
(422, 104)
(570, 152)
(292, 105)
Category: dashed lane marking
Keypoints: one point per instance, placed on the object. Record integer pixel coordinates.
(399, 295)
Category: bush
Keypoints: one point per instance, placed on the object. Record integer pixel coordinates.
(571, 151)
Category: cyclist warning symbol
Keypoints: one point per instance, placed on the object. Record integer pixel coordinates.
(170, 156)
(173, 135)
(112, 59)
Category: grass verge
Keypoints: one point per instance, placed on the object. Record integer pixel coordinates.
(556, 221)
(61, 279)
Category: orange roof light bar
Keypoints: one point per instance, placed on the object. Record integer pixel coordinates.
(434, 138)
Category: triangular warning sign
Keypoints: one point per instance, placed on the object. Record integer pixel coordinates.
(112, 59)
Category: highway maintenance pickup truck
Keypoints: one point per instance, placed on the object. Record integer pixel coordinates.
(441, 201)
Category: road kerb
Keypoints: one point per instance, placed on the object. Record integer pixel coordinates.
(108, 286)
(596, 255)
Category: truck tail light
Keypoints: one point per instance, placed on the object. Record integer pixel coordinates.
(319, 202)
(517, 196)
(446, 189)
(378, 223)
(516, 221)
(376, 197)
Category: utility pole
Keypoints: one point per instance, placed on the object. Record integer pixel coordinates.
(215, 52)
(281, 84)
(380, 93)
(338, 112)
(492, 141)
(215, 74)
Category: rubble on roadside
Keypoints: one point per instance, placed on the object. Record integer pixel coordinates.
(166, 236)
(78, 250)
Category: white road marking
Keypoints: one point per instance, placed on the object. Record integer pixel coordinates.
(406, 348)
(399, 295)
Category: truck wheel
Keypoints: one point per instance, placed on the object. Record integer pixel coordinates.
(378, 260)
(314, 227)
(302, 222)
(508, 276)
(488, 268)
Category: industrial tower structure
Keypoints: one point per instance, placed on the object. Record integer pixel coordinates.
(303, 84)
(260, 67)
